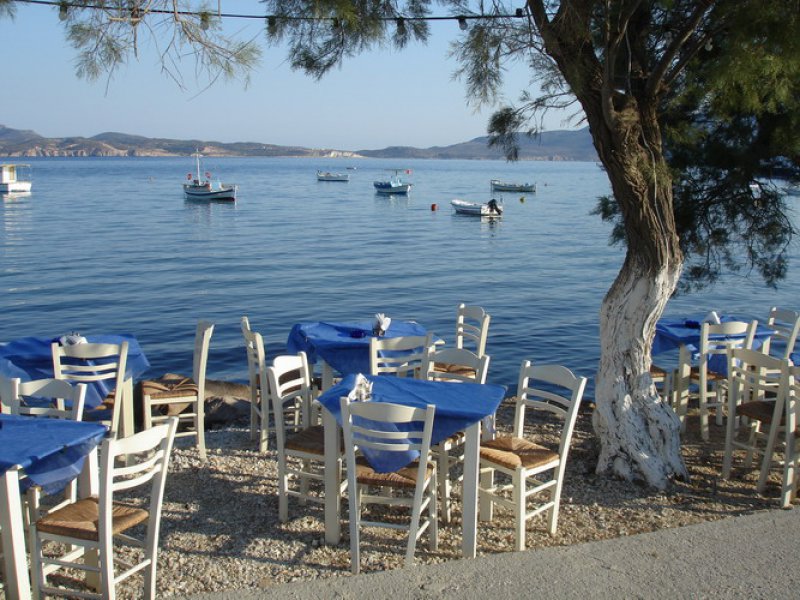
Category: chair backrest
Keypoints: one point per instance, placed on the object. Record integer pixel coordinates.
(53, 398)
(753, 376)
(256, 357)
(550, 388)
(455, 364)
(717, 339)
(385, 427)
(403, 356)
(786, 324)
(288, 381)
(202, 341)
(130, 462)
(472, 328)
(101, 365)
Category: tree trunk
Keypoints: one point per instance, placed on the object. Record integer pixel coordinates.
(639, 432)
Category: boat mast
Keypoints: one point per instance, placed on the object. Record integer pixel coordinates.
(197, 158)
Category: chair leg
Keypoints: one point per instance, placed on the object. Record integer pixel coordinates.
(263, 425)
(283, 496)
(200, 429)
(433, 513)
(355, 526)
(255, 408)
(766, 462)
(519, 509)
(147, 409)
(485, 503)
(730, 432)
(445, 487)
(555, 498)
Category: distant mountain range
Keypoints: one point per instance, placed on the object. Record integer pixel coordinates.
(550, 145)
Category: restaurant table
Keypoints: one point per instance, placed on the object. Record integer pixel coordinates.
(343, 347)
(684, 334)
(51, 453)
(459, 407)
(32, 358)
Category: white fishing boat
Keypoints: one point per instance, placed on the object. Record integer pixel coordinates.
(395, 185)
(15, 178)
(328, 176)
(492, 208)
(505, 186)
(200, 188)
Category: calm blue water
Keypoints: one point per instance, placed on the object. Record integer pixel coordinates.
(110, 245)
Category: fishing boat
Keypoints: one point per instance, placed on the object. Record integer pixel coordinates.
(10, 178)
(504, 186)
(395, 185)
(328, 176)
(200, 188)
(492, 208)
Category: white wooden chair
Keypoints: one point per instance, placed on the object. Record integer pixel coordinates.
(44, 398)
(300, 451)
(373, 425)
(90, 526)
(183, 397)
(455, 365)
(403, 356)
(791, 453)
(786, 324)
(472, 328)
(549, 388)
(98, 364)
(715, 341)
(259, 402)
(53, 398)
(757, 389)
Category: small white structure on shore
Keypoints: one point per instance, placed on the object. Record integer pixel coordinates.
(9, 182)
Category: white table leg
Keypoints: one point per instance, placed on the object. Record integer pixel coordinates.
(17, 583)
(327, 376)
(682, 384)
(332, 498)
(470, 490)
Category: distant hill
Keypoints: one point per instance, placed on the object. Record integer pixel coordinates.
(550, 145)
(554, 145)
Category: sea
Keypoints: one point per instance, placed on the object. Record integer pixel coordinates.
(109, 245)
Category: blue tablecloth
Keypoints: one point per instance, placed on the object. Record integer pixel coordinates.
(458, 405)
(674, 333)
(31, 358)
(344, 346)
(51, 451)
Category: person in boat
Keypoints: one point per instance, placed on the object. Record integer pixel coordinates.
(494, 207)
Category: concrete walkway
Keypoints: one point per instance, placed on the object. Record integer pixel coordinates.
(754, 556)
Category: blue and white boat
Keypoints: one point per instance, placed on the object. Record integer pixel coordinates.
(395, 185)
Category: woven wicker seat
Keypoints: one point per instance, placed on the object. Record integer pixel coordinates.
(513, 453)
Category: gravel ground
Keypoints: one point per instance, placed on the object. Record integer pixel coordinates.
(220, 528)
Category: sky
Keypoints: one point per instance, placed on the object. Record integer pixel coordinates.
(380, 98)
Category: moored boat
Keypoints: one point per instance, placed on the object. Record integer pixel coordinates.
(203, 189)
(492, 208)
(504, 186)
(10, 178)
(395, 185)
(328, 176)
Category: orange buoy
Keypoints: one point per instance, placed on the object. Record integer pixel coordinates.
(434, 207)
